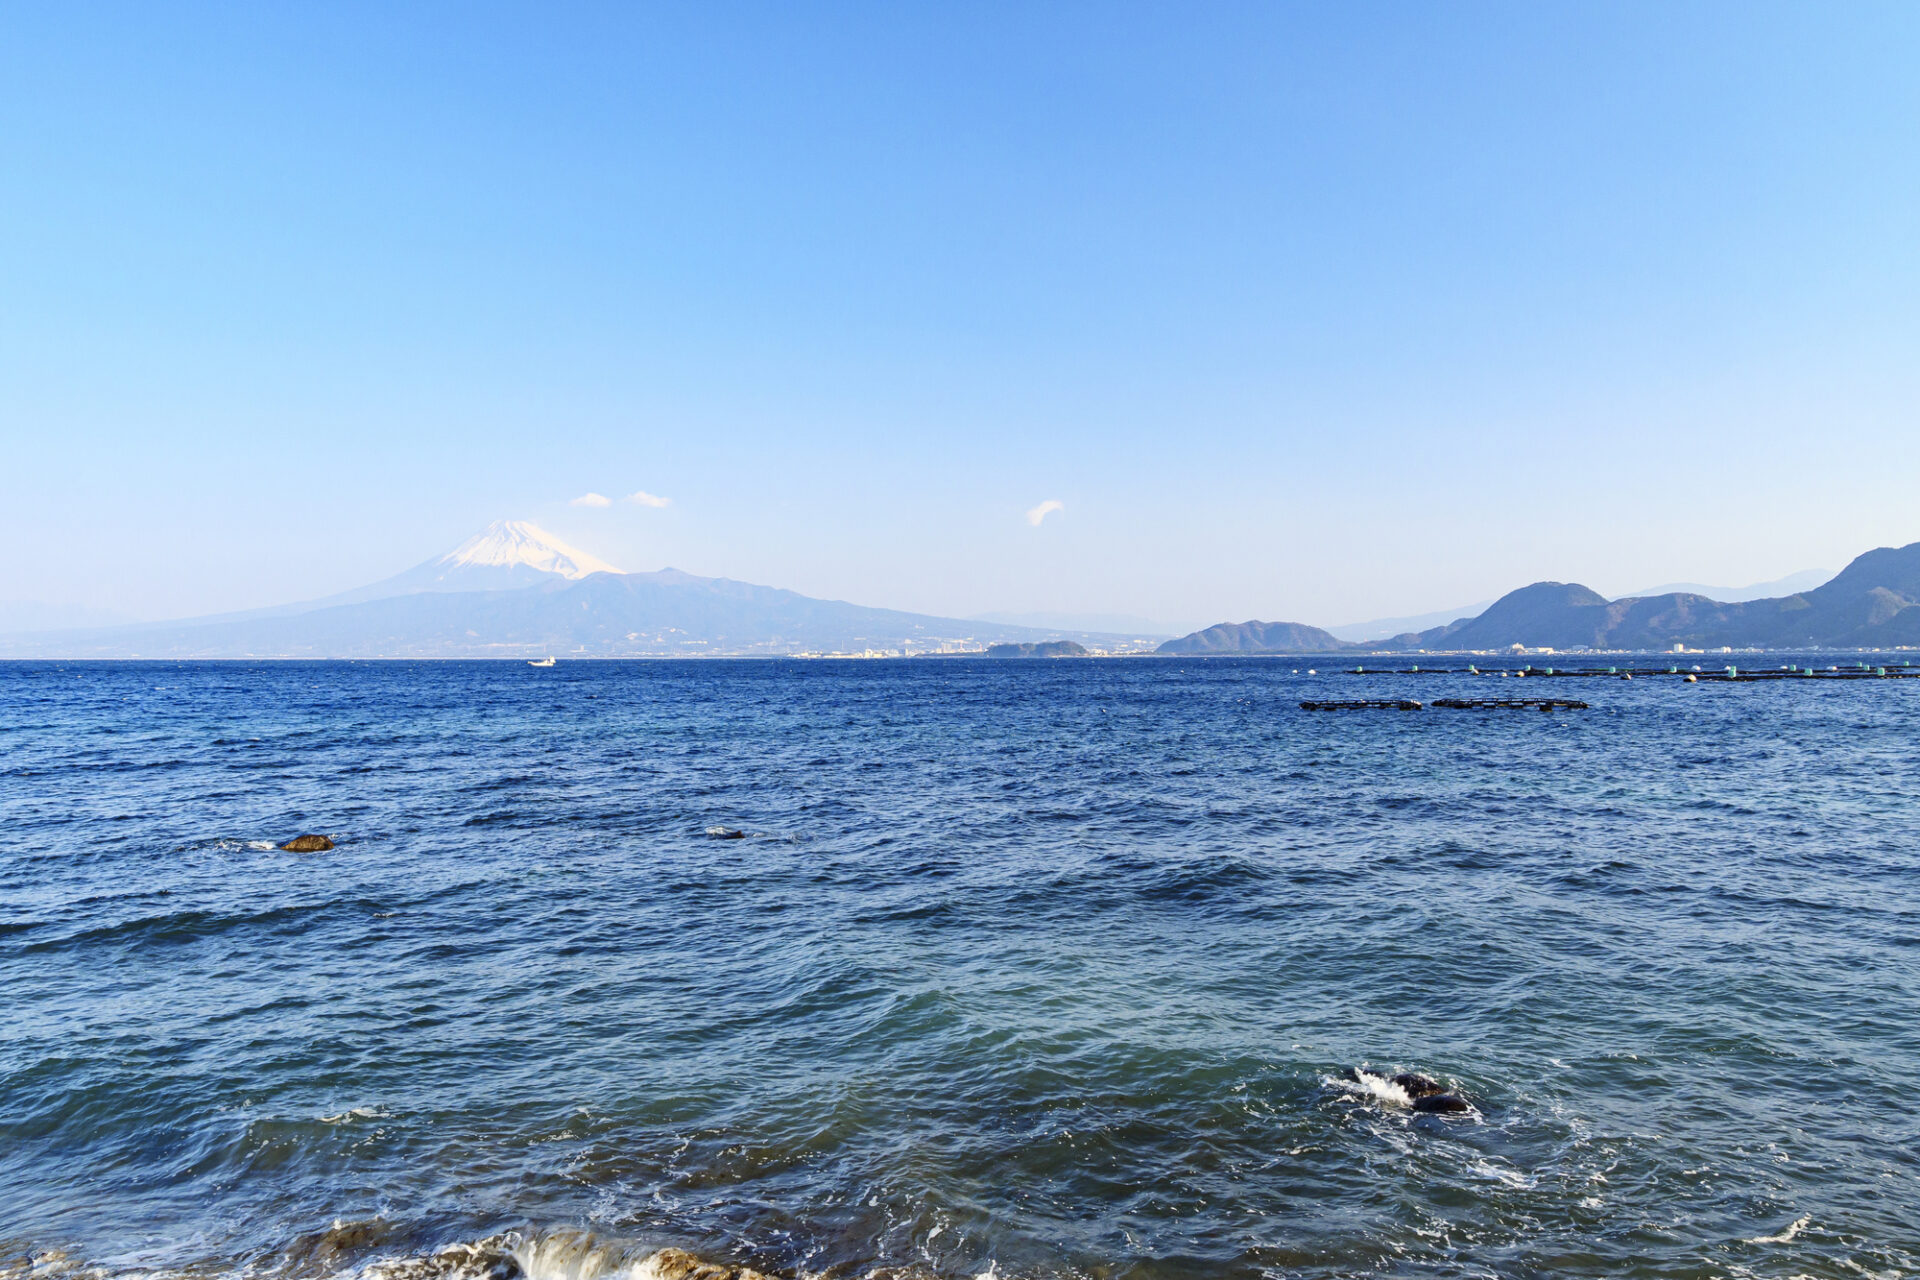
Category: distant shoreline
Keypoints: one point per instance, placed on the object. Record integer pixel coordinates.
(1395, 655)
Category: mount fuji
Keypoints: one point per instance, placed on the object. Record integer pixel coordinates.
(506, 555)
(512, 547)
(515, 590)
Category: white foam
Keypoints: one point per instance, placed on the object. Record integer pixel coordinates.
(1795, 1229)
(357, 1113)
(1374, 1085)
(579, 1255)
(1499, 1173)
(569, 1255)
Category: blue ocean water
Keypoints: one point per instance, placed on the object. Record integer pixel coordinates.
(1029, 969)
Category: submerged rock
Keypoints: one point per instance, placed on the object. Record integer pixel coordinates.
(726, 833)
(488, 1259)
(308, 844)
(678, 1264)
(320, 1253)
(1417, 1086)
(568, 1252)
(1421, 1090)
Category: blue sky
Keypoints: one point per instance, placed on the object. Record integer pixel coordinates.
(1300, 312)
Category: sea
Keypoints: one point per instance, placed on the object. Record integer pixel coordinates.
(954, 968)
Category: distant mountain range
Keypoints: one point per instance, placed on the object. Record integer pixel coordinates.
(1385, 628)
(1381, 628)
(1108, 623)
(515, 590)
(1792, 584)
(1874, 603)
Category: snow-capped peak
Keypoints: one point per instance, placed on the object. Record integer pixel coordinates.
(506, 543)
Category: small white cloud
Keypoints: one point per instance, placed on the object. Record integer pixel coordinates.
(592, 500)
(640, 497)
(1045, 509)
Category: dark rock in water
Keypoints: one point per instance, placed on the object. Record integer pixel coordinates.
(1423, 1091)
(308, 844)
(1417, 1086)
(321, 1253)
(726, 833)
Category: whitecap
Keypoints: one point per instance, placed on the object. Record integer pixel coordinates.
(1511, 1177)
(357, 1113)
(1798, 1225)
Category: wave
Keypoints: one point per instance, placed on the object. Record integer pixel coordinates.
(1793, 1229)
(357, 1113)
(362, 1250)
(579, 1255)
(191, 925)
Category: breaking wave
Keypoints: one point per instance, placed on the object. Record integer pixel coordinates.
(361, 1250)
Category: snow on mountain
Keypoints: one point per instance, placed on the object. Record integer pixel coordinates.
(506, 543)
(507, 554)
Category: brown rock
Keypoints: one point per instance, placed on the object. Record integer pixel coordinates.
(678, 1264)
(488, 1259)
(320, 1253)
(308, 844)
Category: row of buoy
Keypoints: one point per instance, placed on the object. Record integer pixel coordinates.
(1857, 671)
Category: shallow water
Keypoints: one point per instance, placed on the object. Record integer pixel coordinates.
(1032, 968)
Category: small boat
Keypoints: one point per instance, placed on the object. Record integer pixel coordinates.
(540, 662)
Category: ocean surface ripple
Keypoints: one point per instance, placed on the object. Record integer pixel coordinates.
(1023, 969)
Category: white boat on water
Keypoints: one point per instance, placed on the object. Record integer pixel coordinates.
(539, 662)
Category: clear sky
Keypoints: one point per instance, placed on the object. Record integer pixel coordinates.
(1298, 312)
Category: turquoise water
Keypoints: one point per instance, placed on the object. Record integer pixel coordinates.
(1026, 968)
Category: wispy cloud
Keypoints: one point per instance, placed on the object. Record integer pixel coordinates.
(640, 497)
(1045, 509)
(592, 500)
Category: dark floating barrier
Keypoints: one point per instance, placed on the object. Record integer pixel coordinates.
(1733, 675)
(1364, 704)
(1509, 704)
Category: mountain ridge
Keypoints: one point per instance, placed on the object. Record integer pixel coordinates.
(515, 591)
(1254, 637)
(1872, 603)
